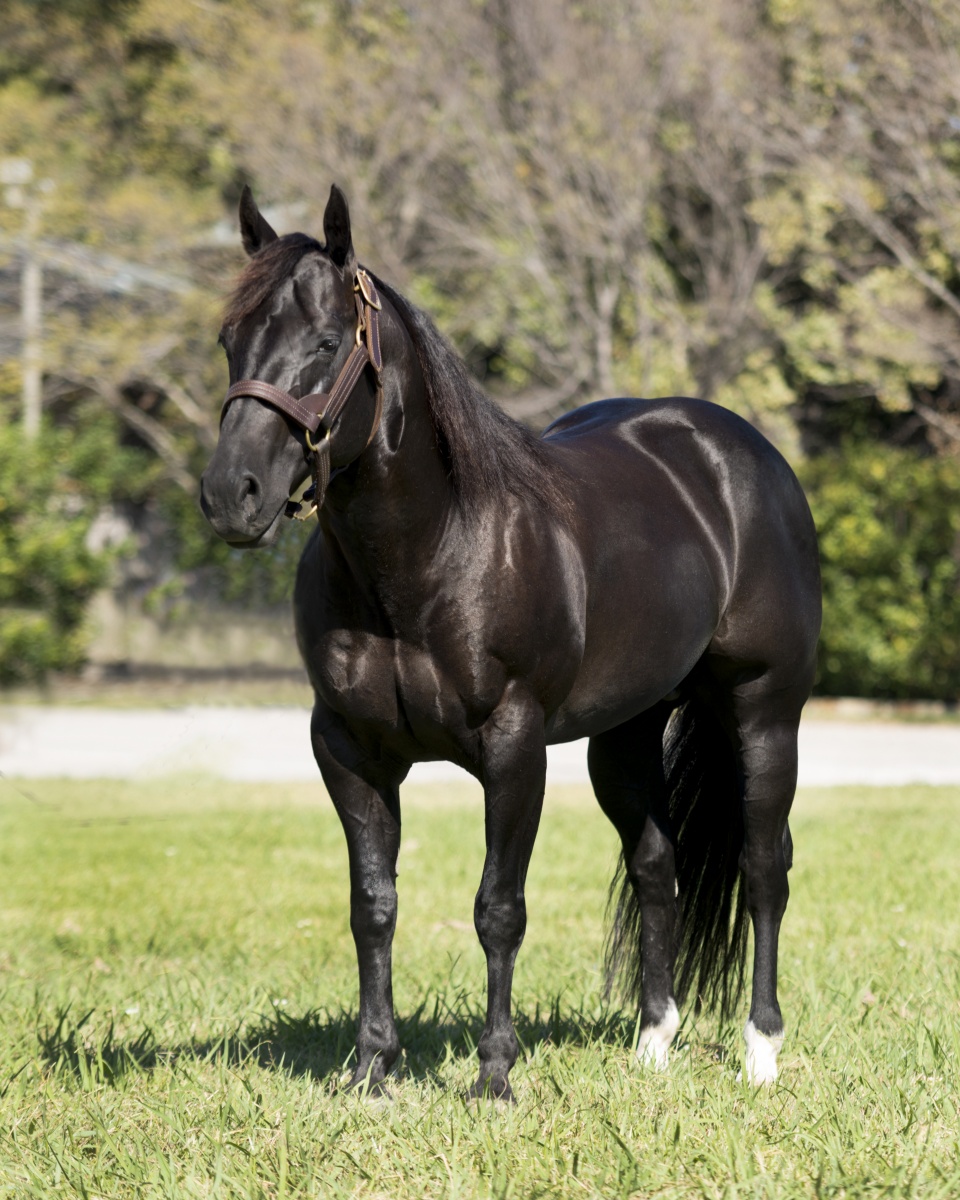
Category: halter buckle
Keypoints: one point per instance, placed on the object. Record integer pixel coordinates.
(364, 285)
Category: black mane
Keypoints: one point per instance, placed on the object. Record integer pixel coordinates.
(487, 453)
(264, 273)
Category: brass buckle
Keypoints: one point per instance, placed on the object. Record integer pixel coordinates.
(363, 285)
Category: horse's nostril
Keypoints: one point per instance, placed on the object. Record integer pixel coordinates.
(250, 497)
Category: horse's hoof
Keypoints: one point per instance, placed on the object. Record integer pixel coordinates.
(653, 1048)
(495, 1089)
(760, 1061)
(374, 1090)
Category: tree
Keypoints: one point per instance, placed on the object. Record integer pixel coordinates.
(754, 203)
(862, 214)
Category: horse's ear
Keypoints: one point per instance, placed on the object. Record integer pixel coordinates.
(255, 230)
(336, 227)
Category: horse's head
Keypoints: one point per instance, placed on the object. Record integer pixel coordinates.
(288, 333)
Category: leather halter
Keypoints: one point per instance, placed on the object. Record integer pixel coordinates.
(320, 410)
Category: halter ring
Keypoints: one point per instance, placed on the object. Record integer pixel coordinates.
(315, 446)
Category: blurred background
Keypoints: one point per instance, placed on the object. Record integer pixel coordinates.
(753, 201)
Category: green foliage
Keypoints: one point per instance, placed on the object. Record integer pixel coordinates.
(889, 528)
(180, 1004)
(759, 206)
(52, 490)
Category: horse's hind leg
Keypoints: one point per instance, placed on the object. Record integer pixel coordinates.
(626, 769)
(765, 727)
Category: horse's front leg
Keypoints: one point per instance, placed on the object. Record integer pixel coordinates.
(369, 810)
(514, 774)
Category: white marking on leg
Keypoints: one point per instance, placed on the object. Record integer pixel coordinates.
(762, 1051)
(653, 1049)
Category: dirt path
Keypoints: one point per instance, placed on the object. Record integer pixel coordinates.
(273, 744)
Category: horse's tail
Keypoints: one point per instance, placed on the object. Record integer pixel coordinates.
(706, 813)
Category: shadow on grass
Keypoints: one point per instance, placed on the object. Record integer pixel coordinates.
(319, 1044)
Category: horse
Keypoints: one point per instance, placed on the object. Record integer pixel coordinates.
(644, 574)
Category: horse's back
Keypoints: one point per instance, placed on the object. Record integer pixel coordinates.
(658, 457)
(694, 443)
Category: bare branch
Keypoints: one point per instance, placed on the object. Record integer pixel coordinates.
(885, 233)
(150, 429)
(941, 421)
(199, 419)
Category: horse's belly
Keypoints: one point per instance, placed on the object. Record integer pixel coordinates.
(589, 711)
(641, 643)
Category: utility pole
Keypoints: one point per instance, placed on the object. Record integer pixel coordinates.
(104, 271)
(16, 175)
(31, 314)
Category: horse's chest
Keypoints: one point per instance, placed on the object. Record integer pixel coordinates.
(378, 680)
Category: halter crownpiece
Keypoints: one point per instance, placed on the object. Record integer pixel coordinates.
(319, 410)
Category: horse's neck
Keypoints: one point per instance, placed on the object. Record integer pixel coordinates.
(396, 505)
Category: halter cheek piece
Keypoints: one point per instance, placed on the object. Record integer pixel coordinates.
(319, 410)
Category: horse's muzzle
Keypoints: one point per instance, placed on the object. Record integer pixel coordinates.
(233, 503)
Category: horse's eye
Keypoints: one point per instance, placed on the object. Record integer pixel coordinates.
(328, 346)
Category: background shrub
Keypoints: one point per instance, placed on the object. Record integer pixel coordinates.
(52, 490)
(889, 526)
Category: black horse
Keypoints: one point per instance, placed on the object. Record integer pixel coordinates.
(645, 575)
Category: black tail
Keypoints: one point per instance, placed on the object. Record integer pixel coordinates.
(706, 813)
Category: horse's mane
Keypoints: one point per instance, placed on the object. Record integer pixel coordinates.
(264, 273)
(487, 453)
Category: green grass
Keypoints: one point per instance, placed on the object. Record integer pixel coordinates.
(178, 1006)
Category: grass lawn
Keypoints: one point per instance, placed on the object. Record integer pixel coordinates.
(179, 1000)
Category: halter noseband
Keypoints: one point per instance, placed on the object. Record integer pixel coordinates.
(320, 410)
